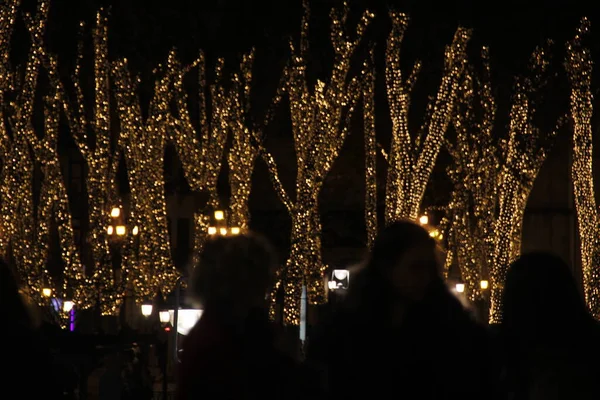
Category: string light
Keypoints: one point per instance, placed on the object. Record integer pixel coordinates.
(317, 113)
(411, 160)
(474, 173)
(370, 150)
(101, 163)
(523, 153)
(242, 155)
(579, 66)
(144, 151)
(201, 153)
(25, 230)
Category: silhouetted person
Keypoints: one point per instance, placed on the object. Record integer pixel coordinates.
(27, 367)
(551, 341)
(230, 353)
(400, 332)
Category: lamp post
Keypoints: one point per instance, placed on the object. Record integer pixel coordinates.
(219, 225)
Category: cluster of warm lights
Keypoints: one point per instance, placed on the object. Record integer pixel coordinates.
(221, 227)
(320, 120)
(119, 230)
(370, 150)
(579, 67)
(524, 153)
(411, 157)
(471, 213)
(144, 149)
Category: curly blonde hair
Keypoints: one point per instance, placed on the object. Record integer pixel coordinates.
(233, 270)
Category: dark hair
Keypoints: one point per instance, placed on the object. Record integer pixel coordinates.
(540, 291)
(232, 268)
(394, 240)
(11, 300)
(371, 284)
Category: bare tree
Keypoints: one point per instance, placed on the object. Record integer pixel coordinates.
(201, 150)
(522, 153)
(145, 141)
(320, 118)
(579, 67)
(412, 157)
(474, 173)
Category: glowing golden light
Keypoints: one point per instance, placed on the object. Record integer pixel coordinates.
(47, 292)
(579, 68)
(68, 305)
(110, 230)
(135, 230)
(412, 156)
(484, 284)
(212, 230)
(120, 230)
(235, 230)
(115, 212)
(423, 219)
(318, 140)
(219, 215)
(223, 231)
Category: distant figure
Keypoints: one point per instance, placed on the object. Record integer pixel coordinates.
(27, 362)
(230, 353)
(400, 332)
(552, 343)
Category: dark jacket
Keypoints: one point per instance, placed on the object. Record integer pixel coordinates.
(222, 362)
(437, 352)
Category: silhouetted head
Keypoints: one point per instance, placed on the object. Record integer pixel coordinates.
(234, 273)
(405, 260)
(12, 302)
(541, 296)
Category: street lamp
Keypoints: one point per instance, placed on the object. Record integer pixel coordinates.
(47, 292)
(164, 316)
(68, 305)
(460, 287)
(484, 284)
(147, 309)
(115, 212)
(117, 224)
(424, 219)
(221, 227)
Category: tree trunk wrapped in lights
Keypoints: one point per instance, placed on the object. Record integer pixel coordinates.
(242, 155)
(100, 161)
(523, 153)
(145, 143)
(370, 152)
(319, 131)
(579, 67)
(201, 153)
(474, 173)
(9, 153)
(411, 160)
(28, 233)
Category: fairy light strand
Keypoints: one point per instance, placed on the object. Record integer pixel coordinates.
(524, 152)
(144, 150)
(201, 151)
(579, 67)
(370, 151)
(320, 117)
(411, 161)
(242, 155)
(474, 174)
(23, 226)
(8, 11)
